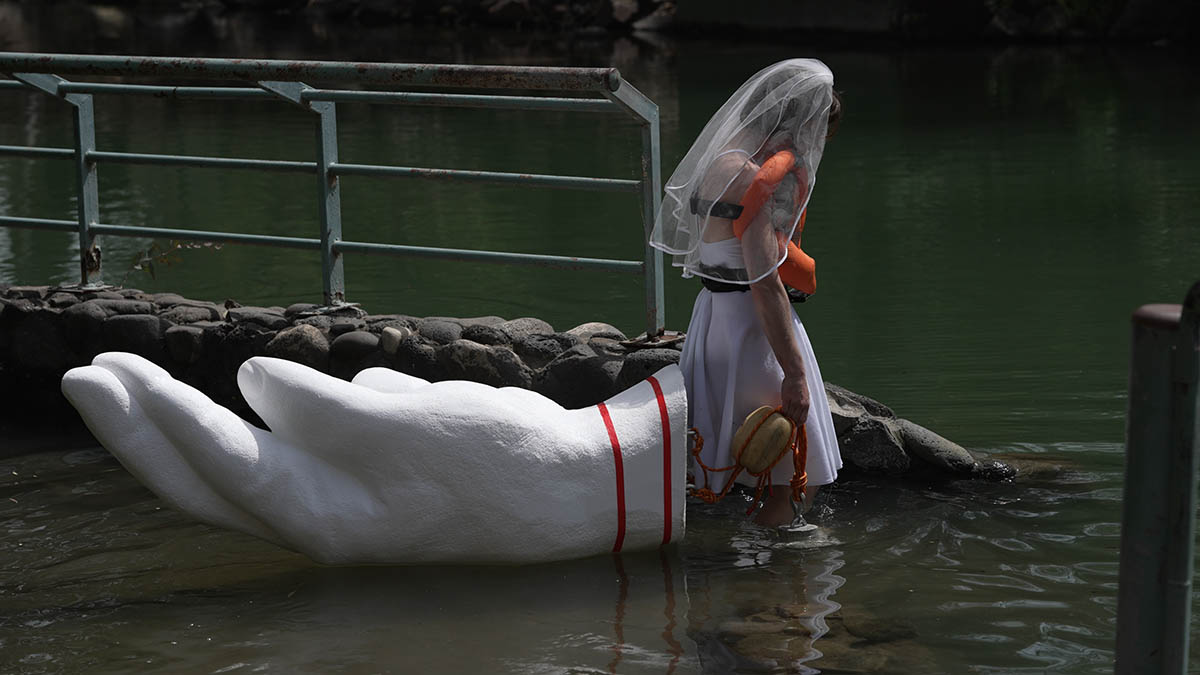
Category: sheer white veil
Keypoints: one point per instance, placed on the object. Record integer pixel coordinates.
(783, 106)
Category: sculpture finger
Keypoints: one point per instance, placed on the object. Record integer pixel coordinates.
(124, 427)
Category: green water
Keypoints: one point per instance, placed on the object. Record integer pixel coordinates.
(984, 224)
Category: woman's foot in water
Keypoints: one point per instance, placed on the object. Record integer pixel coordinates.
(776, 509)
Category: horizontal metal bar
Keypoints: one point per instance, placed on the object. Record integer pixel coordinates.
(190, 160)
(462, 100)
(202, 235)
(543, 180)
(341, 95)
(165, 91)
(556, 261)
(41, 223)
(414, 74)
(29, 151)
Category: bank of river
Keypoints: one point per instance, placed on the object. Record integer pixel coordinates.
(981, 245)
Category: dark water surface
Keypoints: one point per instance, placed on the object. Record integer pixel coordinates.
(985, 222)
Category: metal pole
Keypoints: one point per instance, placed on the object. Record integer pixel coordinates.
(86, 181)
(1158, 512)
(646, 112)
(329, 194)
(651, 199)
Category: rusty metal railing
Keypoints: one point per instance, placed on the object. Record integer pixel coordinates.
(284, 81)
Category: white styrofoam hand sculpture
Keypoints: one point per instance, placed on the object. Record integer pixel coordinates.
(390, 468)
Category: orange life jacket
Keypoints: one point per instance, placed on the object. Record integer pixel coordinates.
(798, 270)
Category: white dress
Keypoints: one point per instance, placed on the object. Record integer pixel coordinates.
(730, 370)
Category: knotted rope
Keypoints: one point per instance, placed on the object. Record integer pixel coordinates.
(798, 445)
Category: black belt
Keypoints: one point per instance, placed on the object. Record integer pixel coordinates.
(794, 296)
(723, 287)
(715, 208)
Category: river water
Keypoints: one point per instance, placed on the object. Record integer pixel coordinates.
(985, 222)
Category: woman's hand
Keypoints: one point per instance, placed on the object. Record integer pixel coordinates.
(795, 396)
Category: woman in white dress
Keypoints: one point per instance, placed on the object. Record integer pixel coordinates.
(745, 345)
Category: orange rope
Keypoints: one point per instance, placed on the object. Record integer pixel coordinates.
(797, 442)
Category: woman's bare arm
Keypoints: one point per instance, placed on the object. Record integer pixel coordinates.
(775, 312)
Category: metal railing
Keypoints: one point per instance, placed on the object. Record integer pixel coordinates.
(284, 81)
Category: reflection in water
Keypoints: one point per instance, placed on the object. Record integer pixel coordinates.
(776, 623)
(95, 570)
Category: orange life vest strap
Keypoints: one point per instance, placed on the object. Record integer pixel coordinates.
(798, 270)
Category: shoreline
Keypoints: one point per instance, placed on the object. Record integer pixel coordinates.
(45, 331)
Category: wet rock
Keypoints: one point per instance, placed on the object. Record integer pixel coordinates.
(774, 652)
(298, 308)
(875, 630)
(579, 377)
(303, 344)
(345, 325)
(320, 322)
(739, 628)
(257, 315)
(191, 313)
(469, 360)
(873, 444)
(851, 400)
(438, 330)
(415, 357)
(483, 334)
(34, 293)
(349, 353)
(607, 346)
(169, 299)
(102, 295)
(642, 364)
(378, 322)
(519, 328)
(587, 331)
(62, 300)
(113, 307)
(18, 305)
(946, 456)
(344, 311)
(36, 342)
(995, 469)
(141, 334)
(539, 350)
(185, 344)
(513, 371)
(84, 327)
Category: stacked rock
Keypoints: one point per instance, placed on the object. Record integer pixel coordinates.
(46, 331)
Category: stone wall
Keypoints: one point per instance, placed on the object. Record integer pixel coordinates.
(46, 331)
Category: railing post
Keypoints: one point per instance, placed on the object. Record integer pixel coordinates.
(86, 180)
(646, 112)
(1159, 508)
(329, 195)
(651, 198)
